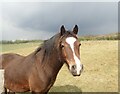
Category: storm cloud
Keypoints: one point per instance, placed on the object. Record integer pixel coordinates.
(41, 20)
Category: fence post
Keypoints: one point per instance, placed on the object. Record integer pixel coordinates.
(1, 81)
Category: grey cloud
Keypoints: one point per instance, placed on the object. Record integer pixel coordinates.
(92, 18)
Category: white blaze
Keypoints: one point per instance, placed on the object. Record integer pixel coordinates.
(71, 41)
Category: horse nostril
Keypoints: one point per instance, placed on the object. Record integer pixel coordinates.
(82, 67)
(73, 67)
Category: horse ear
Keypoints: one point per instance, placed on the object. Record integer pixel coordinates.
(75, 29)
(62, 30)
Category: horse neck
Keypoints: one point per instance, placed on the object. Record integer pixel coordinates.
(51, 61)
(53, 64)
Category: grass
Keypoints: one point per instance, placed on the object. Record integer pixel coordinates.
(21, 48)
(100, 60)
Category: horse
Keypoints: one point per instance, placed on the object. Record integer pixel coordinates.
(37, 72)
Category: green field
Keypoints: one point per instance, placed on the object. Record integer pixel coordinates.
(100, 60)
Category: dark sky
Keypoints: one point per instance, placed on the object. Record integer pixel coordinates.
(41, 20)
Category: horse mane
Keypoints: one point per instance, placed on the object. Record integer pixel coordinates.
(50, 42)
(46, 44)
(37, 50)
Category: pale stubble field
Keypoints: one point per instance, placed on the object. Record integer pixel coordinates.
(100, 60)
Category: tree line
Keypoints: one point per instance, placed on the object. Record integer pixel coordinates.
(18, 41)
(115, 36)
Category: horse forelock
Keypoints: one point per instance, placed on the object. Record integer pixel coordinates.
(68, 34)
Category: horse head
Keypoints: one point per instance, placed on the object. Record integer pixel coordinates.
(70, 50)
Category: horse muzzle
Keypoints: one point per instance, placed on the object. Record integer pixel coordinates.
(76, 70)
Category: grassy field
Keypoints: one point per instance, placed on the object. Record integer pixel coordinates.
(100, 60)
